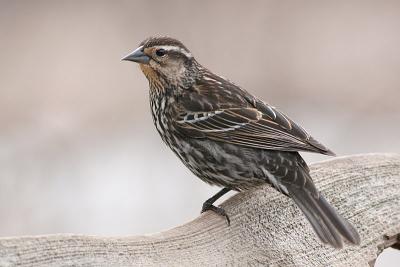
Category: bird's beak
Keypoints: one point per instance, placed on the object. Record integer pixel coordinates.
(138, 56)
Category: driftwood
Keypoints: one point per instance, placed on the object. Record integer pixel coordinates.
(266, 228)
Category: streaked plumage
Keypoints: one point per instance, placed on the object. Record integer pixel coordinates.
(230, 138)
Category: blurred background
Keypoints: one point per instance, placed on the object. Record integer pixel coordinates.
(78, 150)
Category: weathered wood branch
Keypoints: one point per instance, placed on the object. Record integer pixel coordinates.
(266, 228)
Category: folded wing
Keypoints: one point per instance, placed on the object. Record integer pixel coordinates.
(265, 128)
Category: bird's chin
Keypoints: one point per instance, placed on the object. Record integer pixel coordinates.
(148, 71)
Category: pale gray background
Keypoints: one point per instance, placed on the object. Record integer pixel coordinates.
(78, 151)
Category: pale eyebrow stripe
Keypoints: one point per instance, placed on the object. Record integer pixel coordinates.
(175, 48)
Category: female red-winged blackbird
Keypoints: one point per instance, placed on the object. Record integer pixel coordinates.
(230, 138)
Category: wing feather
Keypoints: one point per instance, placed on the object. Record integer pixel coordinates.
(250, 127)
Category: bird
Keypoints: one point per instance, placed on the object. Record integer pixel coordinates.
(230, 138)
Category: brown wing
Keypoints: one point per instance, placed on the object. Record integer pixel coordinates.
(217, 109)
(250, 127)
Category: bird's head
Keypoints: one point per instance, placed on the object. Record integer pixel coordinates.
(165, 61)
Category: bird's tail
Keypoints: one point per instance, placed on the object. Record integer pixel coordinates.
(330, 226)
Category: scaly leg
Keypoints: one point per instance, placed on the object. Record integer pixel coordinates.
(208, 204)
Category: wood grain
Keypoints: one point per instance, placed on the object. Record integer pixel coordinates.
(266, 228)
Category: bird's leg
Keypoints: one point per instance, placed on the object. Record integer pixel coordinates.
(208, 204)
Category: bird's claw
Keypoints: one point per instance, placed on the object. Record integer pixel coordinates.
(217, 210)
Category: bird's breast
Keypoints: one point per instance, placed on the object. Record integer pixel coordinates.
(162, 110)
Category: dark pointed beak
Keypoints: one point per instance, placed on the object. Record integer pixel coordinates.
(138, 56)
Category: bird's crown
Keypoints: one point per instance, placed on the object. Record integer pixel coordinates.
(166, 43)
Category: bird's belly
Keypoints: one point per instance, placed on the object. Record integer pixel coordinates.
(227, 165)
(218, 163)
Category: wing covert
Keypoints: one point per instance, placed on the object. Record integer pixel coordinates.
(249, 127)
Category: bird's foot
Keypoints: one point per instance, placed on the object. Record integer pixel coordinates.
(217, 210)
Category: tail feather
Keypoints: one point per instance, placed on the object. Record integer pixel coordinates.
(342, 225)
(330, 226)
(291, 176)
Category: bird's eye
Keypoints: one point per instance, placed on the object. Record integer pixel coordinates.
(161, 52)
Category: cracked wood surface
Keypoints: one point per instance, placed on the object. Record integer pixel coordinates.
(266, 228)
